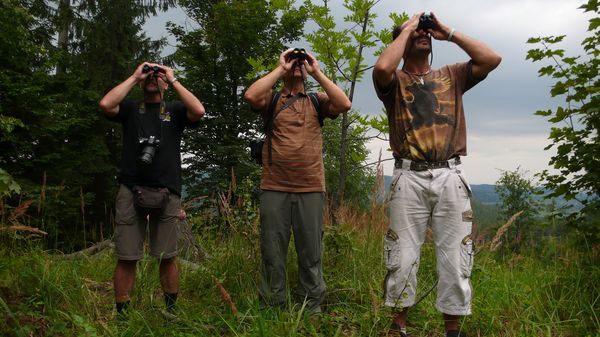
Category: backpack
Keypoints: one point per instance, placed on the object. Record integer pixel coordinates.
(256, 145)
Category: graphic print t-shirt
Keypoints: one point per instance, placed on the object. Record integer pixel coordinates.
(138, 122)
(425, 115)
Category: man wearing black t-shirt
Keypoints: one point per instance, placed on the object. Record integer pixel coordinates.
(150, 170)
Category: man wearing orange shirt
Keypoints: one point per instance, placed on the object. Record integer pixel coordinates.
(293, 180)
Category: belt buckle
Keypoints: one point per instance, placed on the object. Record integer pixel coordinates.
(419, 166)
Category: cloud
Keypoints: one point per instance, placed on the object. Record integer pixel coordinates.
(502, 130)
(489, 155)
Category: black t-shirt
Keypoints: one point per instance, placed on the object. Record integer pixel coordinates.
(143, 121)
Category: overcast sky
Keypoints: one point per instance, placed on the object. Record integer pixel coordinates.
(502, 131)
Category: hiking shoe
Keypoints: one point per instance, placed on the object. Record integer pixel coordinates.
(395, 331)
(455, 333)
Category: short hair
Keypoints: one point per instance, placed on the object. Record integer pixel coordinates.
(397, 30)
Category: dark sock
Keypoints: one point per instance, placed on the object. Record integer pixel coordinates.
(122, 308)
(170, 300)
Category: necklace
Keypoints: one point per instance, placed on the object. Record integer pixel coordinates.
(418, 75)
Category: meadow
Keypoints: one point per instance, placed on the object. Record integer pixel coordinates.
(549, 288)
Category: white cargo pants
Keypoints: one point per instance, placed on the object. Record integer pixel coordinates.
(441, 198)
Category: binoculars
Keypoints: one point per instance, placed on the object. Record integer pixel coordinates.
(297, 53)
(425, 22)
(155, 69)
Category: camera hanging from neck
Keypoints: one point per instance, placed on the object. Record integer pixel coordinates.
(142, 133)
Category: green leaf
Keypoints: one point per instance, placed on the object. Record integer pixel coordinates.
(543, 113)
(8, 185)
(594, 23)
(544, 71)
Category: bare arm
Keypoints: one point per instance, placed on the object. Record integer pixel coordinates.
(258, 93)
(338, 101)
(485, 59)
(110, 102)
(390, 58)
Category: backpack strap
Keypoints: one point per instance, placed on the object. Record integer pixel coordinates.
(268, 128)
(315, 101)
(268, 125)
(268, 121)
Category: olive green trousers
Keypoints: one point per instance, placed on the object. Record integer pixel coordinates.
(282, 213)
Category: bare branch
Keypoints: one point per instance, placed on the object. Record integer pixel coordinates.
(368, 164)
(364, 69)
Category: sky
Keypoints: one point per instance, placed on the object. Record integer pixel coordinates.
(502, 131)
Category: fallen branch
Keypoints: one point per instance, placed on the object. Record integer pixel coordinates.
(189, 248)
(95, 249)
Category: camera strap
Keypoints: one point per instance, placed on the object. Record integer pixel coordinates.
(142, 133)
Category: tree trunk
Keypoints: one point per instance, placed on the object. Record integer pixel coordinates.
(345, 125)
(64, 8)
(189, 249)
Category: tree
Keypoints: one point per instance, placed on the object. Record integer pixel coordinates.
(359, 178)
(516, 193)
(341, 53)
(575, 133)
(58, 146)
(233, 39)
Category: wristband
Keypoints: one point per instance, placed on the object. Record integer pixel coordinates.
(451, 34)
(173, 81)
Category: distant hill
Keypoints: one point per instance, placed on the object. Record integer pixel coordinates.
(485, 193)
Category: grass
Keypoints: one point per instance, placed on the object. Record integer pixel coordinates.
(550, 290)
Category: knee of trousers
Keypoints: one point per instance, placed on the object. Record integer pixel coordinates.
(454, 287)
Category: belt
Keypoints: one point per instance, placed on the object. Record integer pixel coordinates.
(426, 165)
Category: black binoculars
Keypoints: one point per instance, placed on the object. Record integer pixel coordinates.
(425, 22)
(155, 69)
(297, 53)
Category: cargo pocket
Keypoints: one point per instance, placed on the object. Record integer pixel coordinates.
(125, 213)
(394, 186)
(465, 185)
(391, 253)
(466, 256)
(171, 210)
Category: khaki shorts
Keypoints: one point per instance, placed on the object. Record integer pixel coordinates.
(131, 223)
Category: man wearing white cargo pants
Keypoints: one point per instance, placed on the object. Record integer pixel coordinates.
(428, 137)
(439, 197)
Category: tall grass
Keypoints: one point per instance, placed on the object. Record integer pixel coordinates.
(550, 290)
